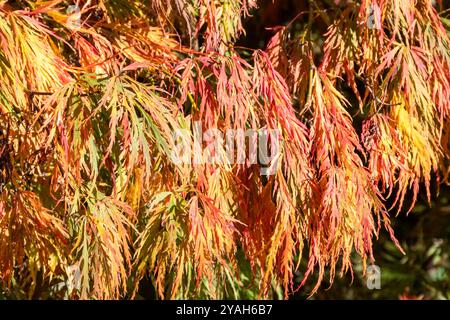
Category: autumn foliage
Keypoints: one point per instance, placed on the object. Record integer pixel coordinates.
(91, 204)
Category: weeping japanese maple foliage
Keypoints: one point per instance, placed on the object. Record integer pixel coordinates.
(92, 204)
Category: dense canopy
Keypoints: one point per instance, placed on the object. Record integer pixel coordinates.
(92, 203)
